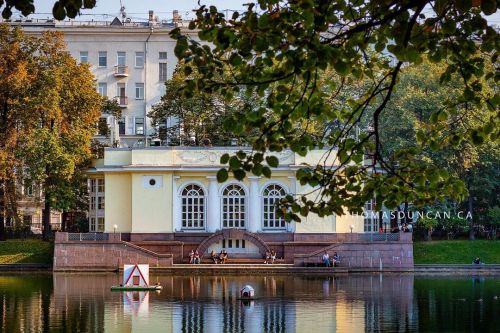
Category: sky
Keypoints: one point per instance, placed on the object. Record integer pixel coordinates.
(138, 9)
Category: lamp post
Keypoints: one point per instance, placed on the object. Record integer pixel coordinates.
(351, 227)
(114, 228)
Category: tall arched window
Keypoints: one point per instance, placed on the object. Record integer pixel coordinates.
(193, 207)
(233, 207)
(271, 196)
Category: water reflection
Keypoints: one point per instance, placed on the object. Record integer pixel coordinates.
(354, 303)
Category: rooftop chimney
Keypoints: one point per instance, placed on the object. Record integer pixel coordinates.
(176, 18)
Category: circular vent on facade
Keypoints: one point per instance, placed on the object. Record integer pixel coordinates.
(152, 182)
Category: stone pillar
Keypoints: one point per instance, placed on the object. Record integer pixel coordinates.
(293, 191)
(213, 205)
(176, 205)
(254, 206)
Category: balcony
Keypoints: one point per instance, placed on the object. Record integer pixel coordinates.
(121, 71)
(122, 101)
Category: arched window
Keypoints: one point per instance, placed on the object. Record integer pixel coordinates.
(193, 207)
(271, 197)
(233, 207)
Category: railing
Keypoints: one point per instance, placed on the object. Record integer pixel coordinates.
(121, 70)
(122, 100)
(378, 237)
(91, 236)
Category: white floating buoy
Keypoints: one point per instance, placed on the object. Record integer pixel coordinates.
(247, 292)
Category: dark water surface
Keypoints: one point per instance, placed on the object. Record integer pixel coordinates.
(349, 303)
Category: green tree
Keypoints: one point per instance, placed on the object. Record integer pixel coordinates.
(196, 120)
(279, 51)
(407, 120)
(494, 220)
(49, 120)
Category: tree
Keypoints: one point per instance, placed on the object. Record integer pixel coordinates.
(407, 118)
(49, 120)
(198, 119)
(61, 9)
(280, 50)
(494, 220)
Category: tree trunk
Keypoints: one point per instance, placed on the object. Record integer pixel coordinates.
(64, 218)
(46, 219)
(470, 207)
(429, 234)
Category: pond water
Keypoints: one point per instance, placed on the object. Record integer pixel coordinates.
(347, 303)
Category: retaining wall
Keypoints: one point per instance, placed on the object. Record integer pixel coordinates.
(107, 255)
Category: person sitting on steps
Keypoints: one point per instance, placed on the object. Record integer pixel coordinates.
(326, 259)
(335, 259)
(268, 257)
(214, 256)
(273, 256)
(191, 257)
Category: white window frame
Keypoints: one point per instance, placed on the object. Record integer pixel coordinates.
(229, 201)
(164, 77)
(102, 88)
(162, 53)
(139, 90)
(84, 55)
(139, 55)
(102, 54)
(370, 223)
(188, 202)
(118, 53)
(269, 209)
(135, 126)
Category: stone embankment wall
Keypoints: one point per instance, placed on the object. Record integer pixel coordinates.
(105, 255)
(356, 252)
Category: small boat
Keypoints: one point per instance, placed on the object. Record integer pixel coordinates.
(136, 288)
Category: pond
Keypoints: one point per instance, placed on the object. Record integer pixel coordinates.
(348, 303)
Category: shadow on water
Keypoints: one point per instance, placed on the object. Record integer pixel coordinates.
(348, 303)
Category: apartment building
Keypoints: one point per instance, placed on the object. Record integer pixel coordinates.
(131, 62)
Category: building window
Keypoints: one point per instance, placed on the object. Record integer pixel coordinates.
(270, 199)
(370, 217)
(139, 59)
(27, 219)
(139, 126)
(92, 203)
(162, 55)
(139, 91)
(92, 185)
(103, 89)
(163, 71)
(121, 58)
(121, 126)
(100, 202)
(233, 207)
(103, 59)
(100, 185)
(100, 224)
(92, 226)
(193, 207)
(84, 57)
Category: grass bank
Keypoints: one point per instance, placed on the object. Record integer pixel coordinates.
(33, 251)
(456, 251)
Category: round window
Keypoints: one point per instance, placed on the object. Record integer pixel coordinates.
(152, 182)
